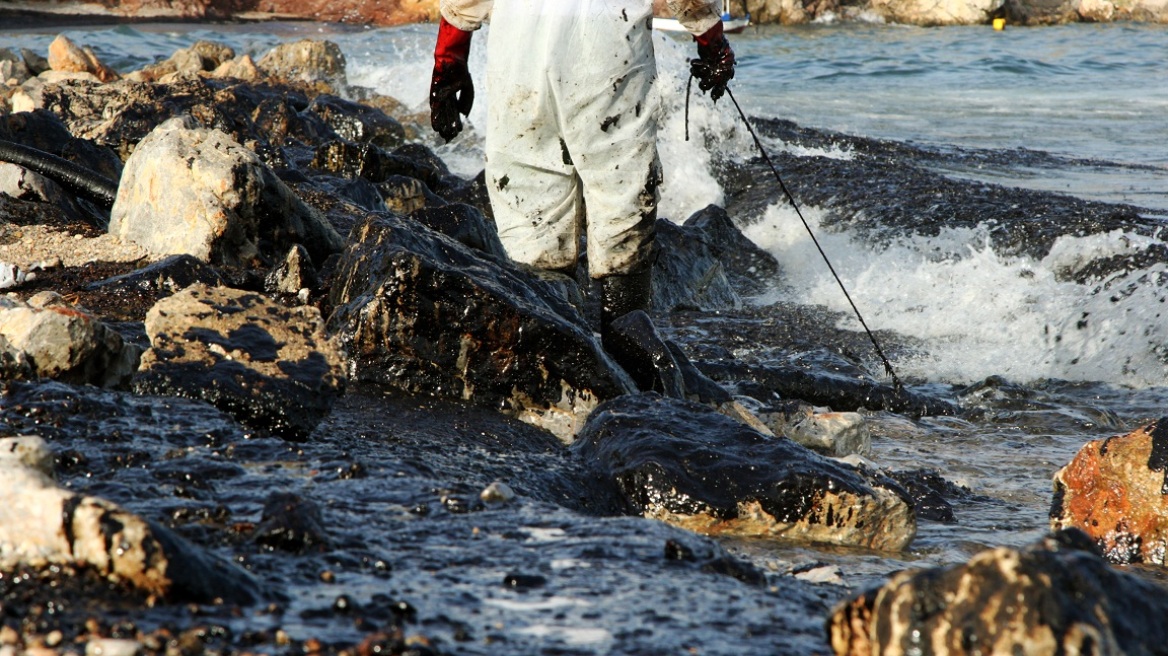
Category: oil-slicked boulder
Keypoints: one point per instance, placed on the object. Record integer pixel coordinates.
(421, 312)
(750, 269)
(690, 466)
(358, 123)
(687, 273)
(1057, 596)
(43, 525)
(61, 341)
(197, 191)
(1116, 490)
(269, 366)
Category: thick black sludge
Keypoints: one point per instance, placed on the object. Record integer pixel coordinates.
(387, 531)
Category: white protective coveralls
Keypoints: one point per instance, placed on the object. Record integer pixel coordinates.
(570, 125)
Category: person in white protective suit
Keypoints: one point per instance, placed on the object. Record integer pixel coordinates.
(571, 139)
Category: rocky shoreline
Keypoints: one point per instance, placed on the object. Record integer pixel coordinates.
(26, 13)
(270, 384)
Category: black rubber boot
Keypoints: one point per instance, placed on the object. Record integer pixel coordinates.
(619, 295)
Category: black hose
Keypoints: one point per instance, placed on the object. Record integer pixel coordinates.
(791, 199)
(74, 177)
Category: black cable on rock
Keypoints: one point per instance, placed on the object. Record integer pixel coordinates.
(74, 177)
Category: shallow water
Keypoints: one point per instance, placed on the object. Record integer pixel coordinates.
(1094, 95)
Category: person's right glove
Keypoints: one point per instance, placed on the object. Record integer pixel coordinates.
(714, 67)
(451, 89)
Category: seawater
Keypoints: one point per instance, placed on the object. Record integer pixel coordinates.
(1084, 92)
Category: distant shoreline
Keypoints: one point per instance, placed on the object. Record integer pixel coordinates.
(19, 16)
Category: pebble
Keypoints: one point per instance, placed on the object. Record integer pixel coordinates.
(113, 647)
(497, 492)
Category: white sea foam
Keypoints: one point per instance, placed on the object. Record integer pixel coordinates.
(980, 313)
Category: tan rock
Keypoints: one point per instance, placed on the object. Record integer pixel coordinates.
(1054, 597)
(196, 191)
(1115, 490)
(64, 342)
(66, 56)
(1097, 11)
(239, 68)
(270, 366)
(42, 525)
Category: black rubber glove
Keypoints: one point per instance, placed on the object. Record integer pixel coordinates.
(451, 89)
(714, 67)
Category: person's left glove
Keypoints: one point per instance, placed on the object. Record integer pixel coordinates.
(451, 89)
(714, 67)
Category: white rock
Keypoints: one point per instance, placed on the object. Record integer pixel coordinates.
(65, 342)
(833, 433)
(196, 191)
(497, 492)
(113, 647)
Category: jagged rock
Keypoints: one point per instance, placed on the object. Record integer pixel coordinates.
(1053, 597)
(13, 68)
(406, 195)
(291, 523)
(931, 13)
(834, 434)
(637, 347)
(687, 273)
(421, 312)
(1040, 12)
(43, 525)
(687, 465)
(240, 68)
(294, 273)
(930, 493)
(121, 114)
(61, 341)
(750, 269)
(704, 263)
(201, 57)
(269, 366)
(391, 12)
(67, 57)
(843, 391)
(358, 123)
(307, 61)
(197, 191)
(1115, 491)
(464, 224)
(162, 278)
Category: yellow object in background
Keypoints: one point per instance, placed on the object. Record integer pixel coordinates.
(999, 24)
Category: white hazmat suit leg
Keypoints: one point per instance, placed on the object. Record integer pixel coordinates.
(572, 124)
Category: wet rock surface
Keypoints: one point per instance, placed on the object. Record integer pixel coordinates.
(419, 311)
(678, 462)
(43, 525)
(47, 337)
(1056, 596)
(271, 367)
(1114, 490)
(393, 482)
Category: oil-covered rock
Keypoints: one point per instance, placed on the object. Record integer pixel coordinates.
(1057, 596)
(693, 467)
